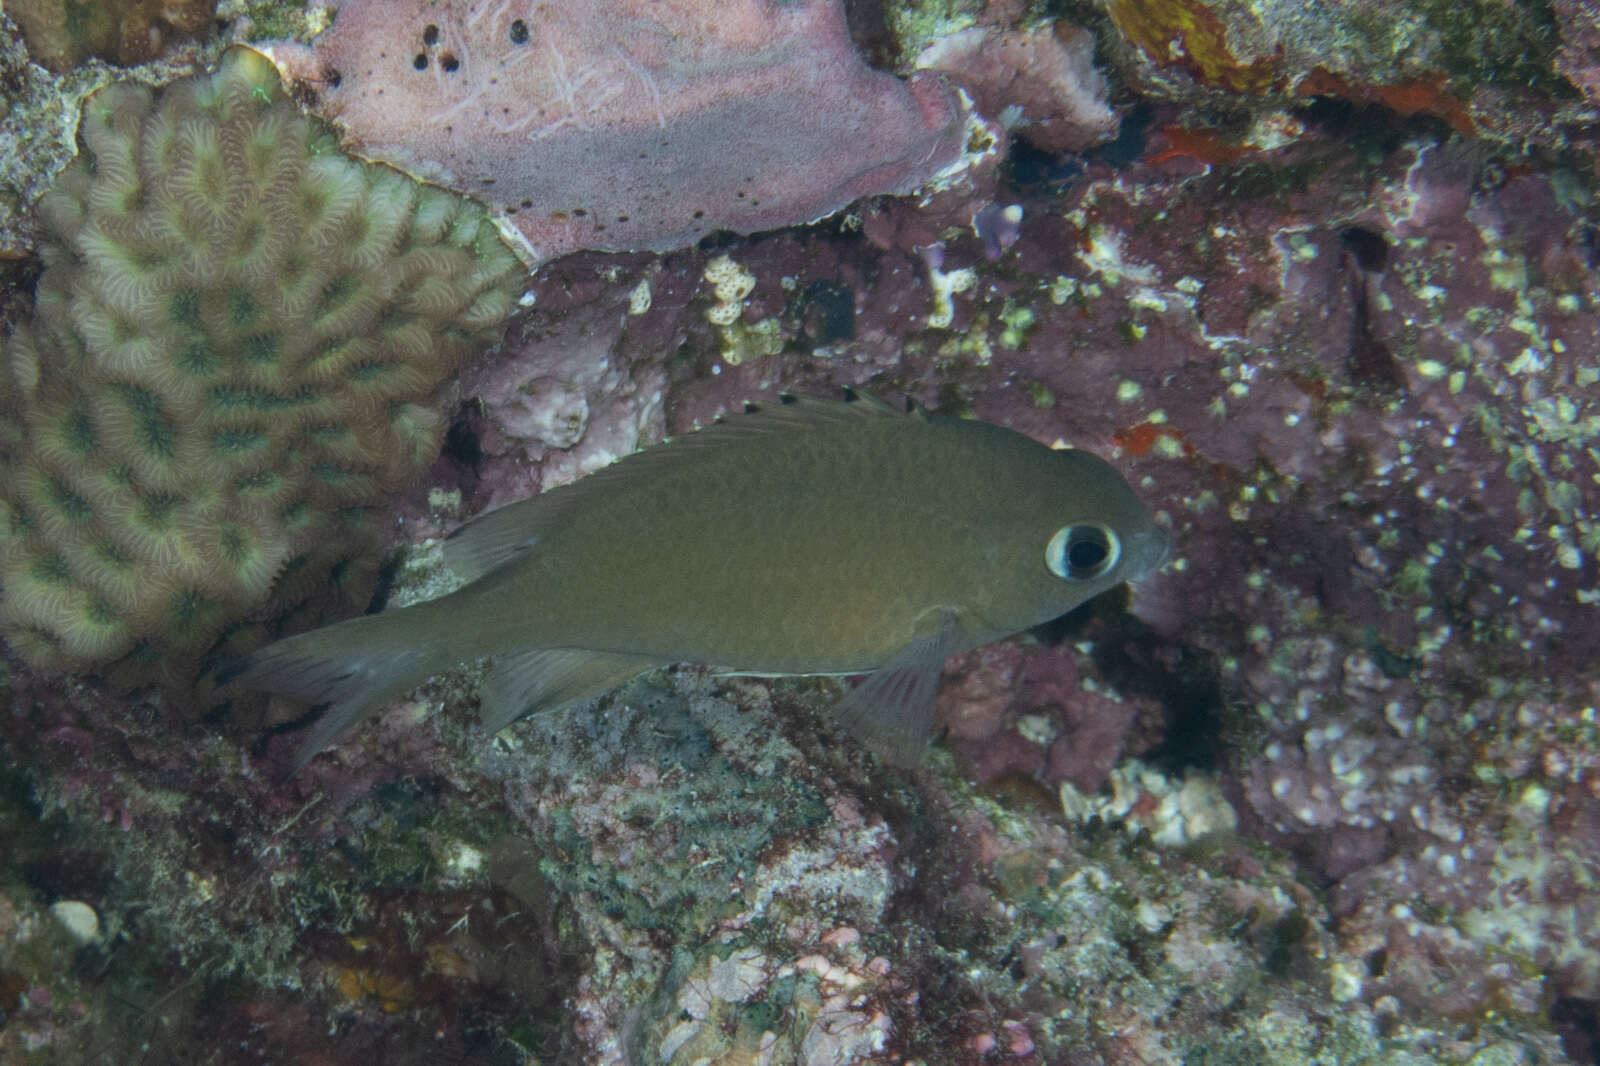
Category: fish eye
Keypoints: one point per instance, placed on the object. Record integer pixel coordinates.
(1082, 552)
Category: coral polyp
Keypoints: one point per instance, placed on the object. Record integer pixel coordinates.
(236, 339)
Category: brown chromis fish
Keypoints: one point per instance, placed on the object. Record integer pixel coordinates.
(811, 537)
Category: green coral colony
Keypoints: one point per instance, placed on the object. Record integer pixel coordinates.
(237, 337)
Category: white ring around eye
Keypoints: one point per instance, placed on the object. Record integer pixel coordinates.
(1080, 537)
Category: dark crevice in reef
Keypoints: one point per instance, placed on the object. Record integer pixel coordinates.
(1135, 660)
(1372, 362)
(868, 23)
(1577, 1022)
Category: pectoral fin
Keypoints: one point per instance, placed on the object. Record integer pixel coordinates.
(547, 678)
(892, 710)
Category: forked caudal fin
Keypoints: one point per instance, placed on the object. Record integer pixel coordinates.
(353, 667)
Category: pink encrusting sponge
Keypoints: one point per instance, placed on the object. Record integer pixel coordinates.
(639, 124)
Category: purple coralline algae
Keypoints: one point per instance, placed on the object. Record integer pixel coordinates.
(1325, 790)
(566, 395)
(1041, 82)
(1580, 46)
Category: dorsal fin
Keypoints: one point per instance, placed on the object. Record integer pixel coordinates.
(496, 537)
(791, 415)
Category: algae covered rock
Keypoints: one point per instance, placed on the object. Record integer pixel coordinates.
(237, 338)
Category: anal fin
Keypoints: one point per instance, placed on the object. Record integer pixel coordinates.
(542, 679)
